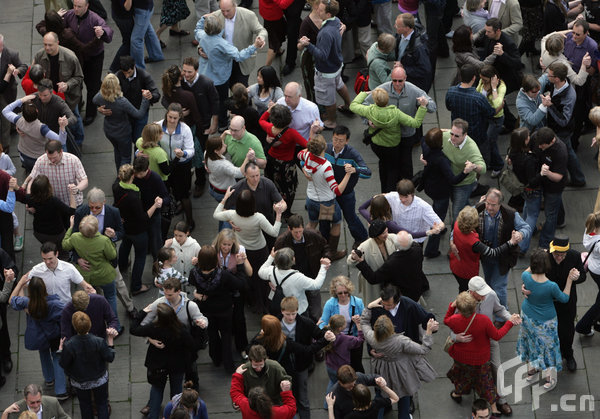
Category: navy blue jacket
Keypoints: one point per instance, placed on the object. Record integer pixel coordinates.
(328, 50)
(351, 156)
(416, 60)
(438, 177)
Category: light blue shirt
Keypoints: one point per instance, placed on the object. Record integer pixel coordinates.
(100, 218)
(220, 55)
(490, 226)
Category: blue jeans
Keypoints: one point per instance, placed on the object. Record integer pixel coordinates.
(137, 125)
(587, 321)
(77, 128)
(460, 198)
(573, 165)
(121, 150)
(332, 374)
(125, 26)
(155, 234)
(531, 211)
(552, 204)
(143, 32)
(27, 162)
(100, 399)
(440, 207)
(348, 205)
(110, 293)
(157, 390)
(140, 246)
(219, 197)
(313, 208)
(52, 371)
(494, 279)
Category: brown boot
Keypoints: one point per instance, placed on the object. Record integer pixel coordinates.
(333, 245)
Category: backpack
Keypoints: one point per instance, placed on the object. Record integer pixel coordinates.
(361, 82)
(275, 305)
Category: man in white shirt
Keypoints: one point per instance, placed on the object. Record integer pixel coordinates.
(304, 112)
(413, 213)
(57, 274)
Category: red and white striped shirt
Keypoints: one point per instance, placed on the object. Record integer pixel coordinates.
(323, 186)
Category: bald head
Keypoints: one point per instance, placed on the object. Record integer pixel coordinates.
(237, 126)
(292, 93)
(404, 240)
(228, 8)
(398, 73)
(51, 43)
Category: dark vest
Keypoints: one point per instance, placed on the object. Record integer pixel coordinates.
(508, 259)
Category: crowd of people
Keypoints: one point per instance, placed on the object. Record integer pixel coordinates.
(247, 145)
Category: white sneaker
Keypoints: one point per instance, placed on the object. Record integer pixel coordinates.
(589, 335)
(450, 34)
(18, 245)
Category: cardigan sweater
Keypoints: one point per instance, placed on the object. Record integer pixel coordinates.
(250, 236)
(476, 352)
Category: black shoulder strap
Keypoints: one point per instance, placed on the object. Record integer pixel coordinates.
(278, 136)
(187, 310)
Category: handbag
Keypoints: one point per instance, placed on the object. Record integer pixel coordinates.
(157, 377)
(198, 334)
(368, 136)
(585, 256)
(510, 182)
(449, 342)
(326, 212)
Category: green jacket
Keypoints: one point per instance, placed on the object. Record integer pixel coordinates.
(389, 119)
(270, 380)
(98, 251)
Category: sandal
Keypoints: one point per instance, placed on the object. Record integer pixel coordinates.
(345, 110)
(550, 384)
(457, 399)
(532, 375)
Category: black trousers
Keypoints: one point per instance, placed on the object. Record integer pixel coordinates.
(566, 325)
(92, 76)
(237, 76)
(293, 17)
(389, 166)
(4, 336)
(6, 234)
(219, 339)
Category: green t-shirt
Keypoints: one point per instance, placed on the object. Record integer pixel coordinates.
(238, 149)
(156, 155)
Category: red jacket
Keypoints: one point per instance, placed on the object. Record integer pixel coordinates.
(476, 352)
(272, 10)
(285, 411)
(285, 151)
(468, 265)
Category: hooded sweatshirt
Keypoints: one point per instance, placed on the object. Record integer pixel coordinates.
(185, 253)
(388, 118)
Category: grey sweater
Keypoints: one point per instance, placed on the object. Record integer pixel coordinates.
(117, 125)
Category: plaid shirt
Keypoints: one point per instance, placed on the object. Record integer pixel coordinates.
(68, 170)
(473, 107)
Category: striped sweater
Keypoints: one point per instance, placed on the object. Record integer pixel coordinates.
(323, 186)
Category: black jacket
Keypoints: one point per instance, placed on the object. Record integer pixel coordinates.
(403, 268)
(508, 65)
(218, 287)
(132, 90)
(306, 332)
(438, 177)
(207, 98)
(415, 60)
(559, 273)
(84, 357)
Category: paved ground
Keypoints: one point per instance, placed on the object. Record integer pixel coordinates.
(128, 388)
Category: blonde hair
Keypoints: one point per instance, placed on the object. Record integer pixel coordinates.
(343, 281)
(125, 172)
(381, 97)
(317, 145)
(151, 135)
(27, 414)
(466, 303)
(592, 222)
(110, 89)
(467, 220)
(595, 115)
(88, 226)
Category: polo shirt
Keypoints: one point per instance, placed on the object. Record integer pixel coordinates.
(58, 282)
(238, 149)
(265, 195)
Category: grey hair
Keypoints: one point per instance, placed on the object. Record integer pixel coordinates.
(212, 25)
(32, 389)
(284, 258)
(408, 245)
(96, 195)
(299, 89)
(495, 192)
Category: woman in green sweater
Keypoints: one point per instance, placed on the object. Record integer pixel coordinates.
(99, 251)
(385, 122)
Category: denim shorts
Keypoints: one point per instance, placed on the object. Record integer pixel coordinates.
(313, 210)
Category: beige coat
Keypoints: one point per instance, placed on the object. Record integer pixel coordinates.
(510, 16)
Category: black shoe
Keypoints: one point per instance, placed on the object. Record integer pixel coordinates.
(576, 184)
(287, 70)
(7, 365)
(571, 364)
(133, 313)
(597, 326)
(62, 397)
(433, 255)
(2, 381)
(150, 60)
(88, 119)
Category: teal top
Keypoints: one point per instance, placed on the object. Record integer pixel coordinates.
(539, 305)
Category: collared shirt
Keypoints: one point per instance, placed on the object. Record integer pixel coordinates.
(404, 40)
(68, 170)
(100, 218)
(39, 412)
(490, 228)
(461, 145)
(495, 7)
(298, 241)
(395, 309)
(289, 330)
(237, 149)
(303, 116)
(336, 155)
(178, 306)
(418, 216)
(133, 76)
(557, 91)
(575, 52)
(491, 307)
(59, 280)
(229, 28)
(195, 80)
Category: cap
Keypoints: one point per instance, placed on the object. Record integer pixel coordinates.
(477, 284)
(559, 244)
(377, 228)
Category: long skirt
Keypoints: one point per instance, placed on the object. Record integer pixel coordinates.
(538, 343)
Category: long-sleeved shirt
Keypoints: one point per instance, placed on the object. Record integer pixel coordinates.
(348, 155)
(532, 113)
(327, 52)
(117, 125)
(250, 236)
(323, 186)
(84, 28)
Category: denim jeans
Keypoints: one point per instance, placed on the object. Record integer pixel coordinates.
(110, 293)
(300, 390)
(440, 207)
(52, 371)
(495, 159)
(460, 198)
(137, 125)
(140, 247)
(121, 150)
(100, 399)
(219, 197)
(493, 278)
(348, 205)
(125, 26)
(552, 204)
(157, 390)
(313, 209)
(27, 162)
(332, 374)
(531, 211)
(573, 165)
(143, 32)
(77, 128)
(587, 321)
